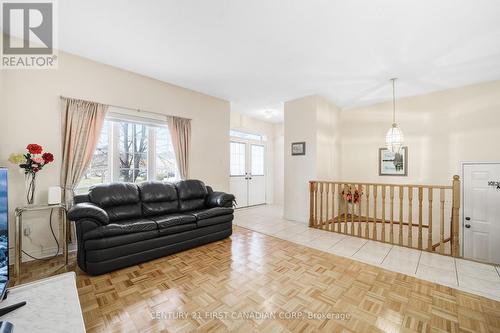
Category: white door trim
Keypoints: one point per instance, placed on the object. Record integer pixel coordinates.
(462, 195)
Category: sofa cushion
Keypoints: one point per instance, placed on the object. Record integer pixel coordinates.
(158, 198)
(214, 220)
(125, 212)
(166, 221)
(114, 194)
(121, 228)
(192, 194)
(175, 229)
(120, 200)
(211, 212)
(112, 241)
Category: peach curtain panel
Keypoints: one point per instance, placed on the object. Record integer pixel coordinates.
(180, 131)
(81, 123)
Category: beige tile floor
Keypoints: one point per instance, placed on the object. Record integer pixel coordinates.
(473, 277)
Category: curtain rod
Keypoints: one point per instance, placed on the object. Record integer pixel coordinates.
(123, 107)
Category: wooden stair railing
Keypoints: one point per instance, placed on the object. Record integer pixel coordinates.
(391, 213)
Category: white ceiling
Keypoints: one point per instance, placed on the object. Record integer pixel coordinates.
(259, 53)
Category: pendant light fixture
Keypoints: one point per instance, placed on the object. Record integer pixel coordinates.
(394, 138)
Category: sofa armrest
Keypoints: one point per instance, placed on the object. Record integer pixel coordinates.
(220, 199)
(89, 211)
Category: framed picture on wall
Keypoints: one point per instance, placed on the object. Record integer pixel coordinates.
(298, 148)
(393, 164)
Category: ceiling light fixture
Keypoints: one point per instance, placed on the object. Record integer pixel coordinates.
(394, 138)
(268, 114)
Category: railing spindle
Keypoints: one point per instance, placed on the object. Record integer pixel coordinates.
(383, 214)
(321, 205)
(339, 221)
(441, 222)
(401, 196)
(332, 226)
(391, 234)
(360, 189)
(327, 192)
(429, 224)
(367, 228)
(375, 194)
(315, 222)
(311, 203)
(346, 210)
(352, 213)
(420, 198)
(410, 216)
(316, 206)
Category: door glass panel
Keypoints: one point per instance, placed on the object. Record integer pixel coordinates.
(257, 160)
(237, 159)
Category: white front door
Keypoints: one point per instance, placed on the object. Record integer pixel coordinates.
(247, 177)
(481, 212)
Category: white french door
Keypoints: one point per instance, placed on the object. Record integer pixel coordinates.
(247, 172)
(481, 212)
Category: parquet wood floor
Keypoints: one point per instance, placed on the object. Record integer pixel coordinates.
(254, 275)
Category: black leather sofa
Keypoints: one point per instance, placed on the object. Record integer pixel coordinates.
(123, 224)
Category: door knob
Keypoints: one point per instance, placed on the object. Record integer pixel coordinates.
(467, 218)
(467, 226)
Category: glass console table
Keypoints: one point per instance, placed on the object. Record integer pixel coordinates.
(19, 232)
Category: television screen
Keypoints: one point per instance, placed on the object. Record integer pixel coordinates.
(4, 233)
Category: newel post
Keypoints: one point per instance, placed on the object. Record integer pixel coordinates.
(455, 247)
(311, 203)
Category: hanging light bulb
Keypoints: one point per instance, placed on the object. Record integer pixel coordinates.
(394, 138)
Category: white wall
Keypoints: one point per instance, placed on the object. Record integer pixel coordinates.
(279, 164)
(30, 113)
(441, 129)
(314, 120)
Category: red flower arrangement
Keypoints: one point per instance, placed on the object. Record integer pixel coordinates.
(30, 162)
(352, 194)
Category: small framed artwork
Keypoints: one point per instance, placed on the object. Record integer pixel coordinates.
(298, 148)
(393, 164)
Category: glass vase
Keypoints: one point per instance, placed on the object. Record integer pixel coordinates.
(30, 186)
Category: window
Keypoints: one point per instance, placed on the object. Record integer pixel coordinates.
(246, 135)
(237, 158)
(131, 151)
